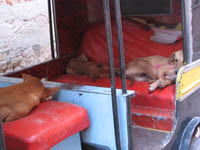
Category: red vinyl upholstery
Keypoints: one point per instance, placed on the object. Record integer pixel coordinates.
(48, 124)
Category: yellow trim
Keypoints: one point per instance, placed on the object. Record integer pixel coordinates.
(187, 81)
(178, 82)
(158, 130)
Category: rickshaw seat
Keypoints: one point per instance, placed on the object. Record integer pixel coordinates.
(48, 124)
(161, 98)
(152, 110)
(137, 43)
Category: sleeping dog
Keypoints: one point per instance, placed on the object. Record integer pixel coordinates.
(159, 71)
(18, 100)
(83, 66)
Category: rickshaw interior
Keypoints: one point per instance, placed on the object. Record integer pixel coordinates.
(81, 30)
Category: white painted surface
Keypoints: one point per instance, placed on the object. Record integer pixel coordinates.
(24, 34)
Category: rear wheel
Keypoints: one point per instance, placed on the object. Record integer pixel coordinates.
(190, 139)
(195, 141)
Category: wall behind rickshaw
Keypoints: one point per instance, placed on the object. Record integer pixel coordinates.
(24, 34)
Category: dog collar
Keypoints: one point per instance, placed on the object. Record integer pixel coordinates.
(157, 66)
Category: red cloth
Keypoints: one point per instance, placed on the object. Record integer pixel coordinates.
(136, 39)
(48, 124)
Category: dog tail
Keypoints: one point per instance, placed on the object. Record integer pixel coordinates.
(132, 82)
(132, 79)
(136, 77)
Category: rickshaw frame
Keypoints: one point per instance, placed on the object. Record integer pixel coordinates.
(184, 121)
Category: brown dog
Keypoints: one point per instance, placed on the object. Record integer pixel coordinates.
(158, 70)
(82, 66)
(18, 100)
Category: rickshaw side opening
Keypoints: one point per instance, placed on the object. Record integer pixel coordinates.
(160, 114)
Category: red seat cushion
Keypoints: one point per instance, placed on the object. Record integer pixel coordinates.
(48, 124)
(161, 98)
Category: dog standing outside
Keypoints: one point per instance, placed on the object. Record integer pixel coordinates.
(159, 71)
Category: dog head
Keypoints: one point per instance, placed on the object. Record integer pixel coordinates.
(76, 65)
(36, 83)
(176, 59)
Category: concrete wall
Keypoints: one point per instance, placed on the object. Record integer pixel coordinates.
(24, 34)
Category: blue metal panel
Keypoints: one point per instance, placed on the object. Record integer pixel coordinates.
(98, 102)
(2, 84)
(71, 143)
(122, 109)
(99, 106)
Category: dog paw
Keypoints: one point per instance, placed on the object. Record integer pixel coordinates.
(161, 85)
(130, 85)
(150, 80)
(46, 99)
(151, 89)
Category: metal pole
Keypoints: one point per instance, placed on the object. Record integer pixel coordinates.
(2, 139)
(123, 75)
(120, 44)
(55, 28)
(51, 29)
(112, 71)
(185, 4)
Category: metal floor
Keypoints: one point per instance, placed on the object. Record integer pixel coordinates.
(145, 139)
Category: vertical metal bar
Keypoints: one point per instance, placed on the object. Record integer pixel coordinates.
(129, 123)
(55, 28)
(186, 31)
(123, 75)
(120, 44)
(112, 71)
(51, 29)
(2, 140)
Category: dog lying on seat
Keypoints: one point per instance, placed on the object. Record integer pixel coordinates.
(159, 71)
(82, 66)
(18, 100)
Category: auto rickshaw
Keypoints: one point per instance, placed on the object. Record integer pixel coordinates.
(119, 118)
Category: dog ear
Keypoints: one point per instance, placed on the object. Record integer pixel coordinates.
(48, 93)
(177, 59)
(27, 77)
(172, 57)
(83, 57)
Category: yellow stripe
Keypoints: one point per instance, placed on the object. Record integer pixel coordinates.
(158, 130)
(187, 81)
(178, 82)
